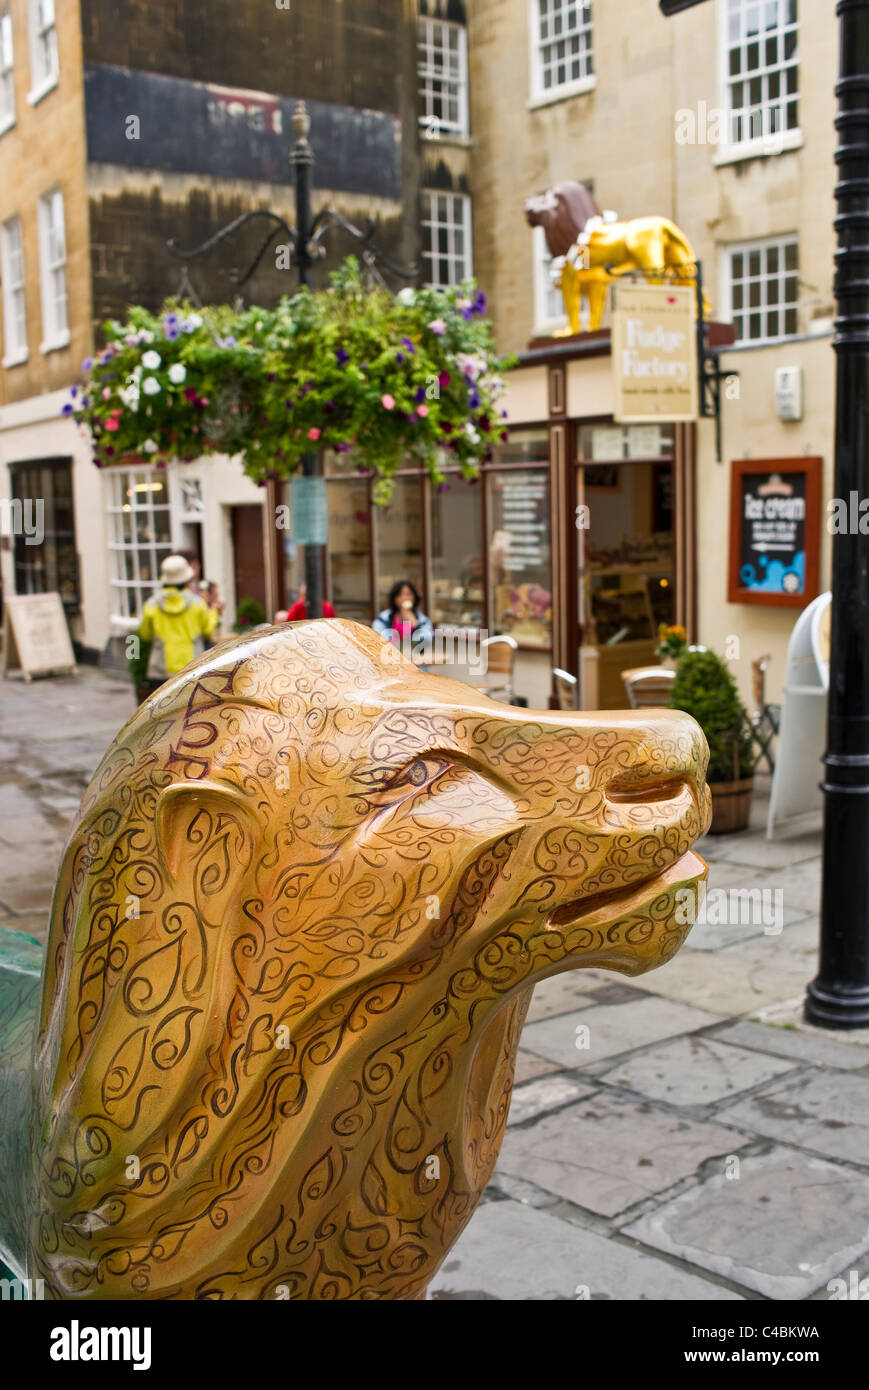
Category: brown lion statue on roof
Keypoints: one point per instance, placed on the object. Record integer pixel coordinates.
(294, 936)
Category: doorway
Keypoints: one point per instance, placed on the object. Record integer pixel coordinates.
(626, 553)
(247, 554)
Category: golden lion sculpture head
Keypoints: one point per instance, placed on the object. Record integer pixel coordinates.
(292, 943)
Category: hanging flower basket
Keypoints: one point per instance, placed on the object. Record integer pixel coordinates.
(348, 368)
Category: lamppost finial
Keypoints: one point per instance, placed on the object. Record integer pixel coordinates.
(301, 121)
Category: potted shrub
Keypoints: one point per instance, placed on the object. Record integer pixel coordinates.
(705, 689)
(248, 615)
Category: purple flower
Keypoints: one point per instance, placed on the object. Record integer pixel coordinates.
(420, 394)
(480, 301)
(503, 415)
(399, 357)
(66, 409)
(73, 390)
(342, 357)
(226, 342)
(443, 487)
(84, 401)
(468, 312)
(341, 448)
(329, 407)
(474, 400)
(87, 364)
(271, 376)
(288, 403)
(171, 331)
(409, 345)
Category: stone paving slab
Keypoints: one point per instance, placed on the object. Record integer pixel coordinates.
(546, 1093)
(695, 1071)
(825, 1111)
(723, 984)
(509, 1248)
(560, 994)
(805, 1045)
(784, 1227)
(528, 1067)
(757, 850)
(612, 1029)
(609, 1152)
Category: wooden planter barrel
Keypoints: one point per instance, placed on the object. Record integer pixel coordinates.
(731, 805)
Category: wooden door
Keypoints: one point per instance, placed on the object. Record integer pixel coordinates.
(247, 552)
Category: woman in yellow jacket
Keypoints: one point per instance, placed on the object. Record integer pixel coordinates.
(173, 621)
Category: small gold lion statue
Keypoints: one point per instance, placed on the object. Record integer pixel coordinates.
(591, 248)
(293, 939)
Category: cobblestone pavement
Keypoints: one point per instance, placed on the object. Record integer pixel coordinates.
(681, 1135)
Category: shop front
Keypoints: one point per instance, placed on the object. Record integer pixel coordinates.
(576, 540)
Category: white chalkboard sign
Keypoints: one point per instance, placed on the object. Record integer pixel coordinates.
(36, 637)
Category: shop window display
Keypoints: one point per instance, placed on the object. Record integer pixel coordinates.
(457, 565)
(519, 555)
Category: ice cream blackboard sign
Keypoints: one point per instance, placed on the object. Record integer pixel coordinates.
(774, 531)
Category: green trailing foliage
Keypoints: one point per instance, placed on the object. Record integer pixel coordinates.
(351, 368)
(705, 688)
(249, 614)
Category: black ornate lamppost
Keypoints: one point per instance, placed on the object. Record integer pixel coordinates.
(306, 246)
(839, 995)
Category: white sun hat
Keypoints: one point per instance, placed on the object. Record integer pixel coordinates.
(175, 570)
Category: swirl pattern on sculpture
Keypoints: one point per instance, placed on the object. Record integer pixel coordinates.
(292, 945)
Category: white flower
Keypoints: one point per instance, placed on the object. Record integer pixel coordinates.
(149, 447)
(150, 386)
(151, 360)
(472, 434)
(145, 335)
(130, 396)
(177, 373)
(407, 296)
(195, 320)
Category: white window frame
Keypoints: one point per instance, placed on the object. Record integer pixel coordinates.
(774, 139)
(432, 220)
(7, 70)
(781, 276)
(52, 263)
(43, 40)
(429, 30)
(546, 297)
(541, 95)
(14, 293)
(129, 490)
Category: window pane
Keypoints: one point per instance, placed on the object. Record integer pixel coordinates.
(398, 532)
(350, 548)
(519, 558)
(457, 564)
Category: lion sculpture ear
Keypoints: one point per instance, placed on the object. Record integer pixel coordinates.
(206, 837)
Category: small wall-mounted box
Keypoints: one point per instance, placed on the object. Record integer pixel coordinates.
(789, 393)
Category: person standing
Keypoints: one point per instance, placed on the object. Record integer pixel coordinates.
(403, 621)
(298, 612)
(176, 625)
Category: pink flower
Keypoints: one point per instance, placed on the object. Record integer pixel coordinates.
(388, 402)
(112, 422)
(107, 395)
(437, 326)
(313, 434)
(422, 410)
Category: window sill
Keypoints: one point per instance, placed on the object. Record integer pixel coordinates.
(759, 149)
(49, 84)
(565, 93)
(16, 359)
(444, 136)
(55, 344)
(6, 124)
